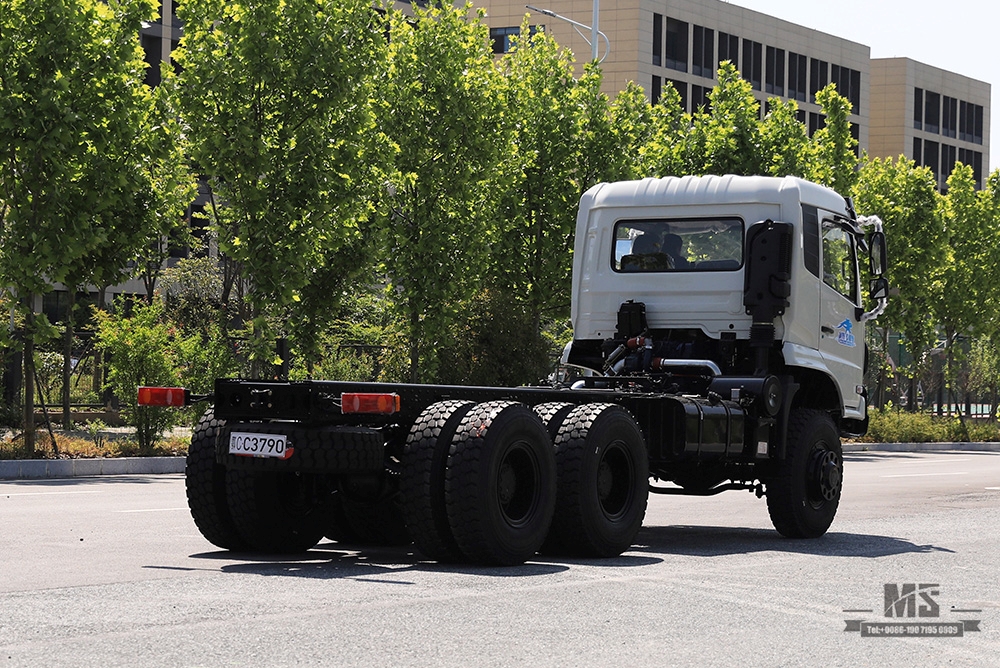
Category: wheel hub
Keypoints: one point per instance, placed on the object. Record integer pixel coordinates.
(507, 483)
(827, 475)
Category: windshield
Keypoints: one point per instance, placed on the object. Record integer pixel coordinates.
(702, 244)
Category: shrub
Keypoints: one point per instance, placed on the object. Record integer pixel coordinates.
(892, 425)
(140, 354)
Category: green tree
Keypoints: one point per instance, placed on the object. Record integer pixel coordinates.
(275, 97)
(141, 347)
(662, 154)
(70, 103)
(441, 112)
(970, 307)
(832, 156)
(904, 197)
(726, 138)
(784, 140)
(532, 235)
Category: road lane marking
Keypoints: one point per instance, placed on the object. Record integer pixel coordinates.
(81, 491)
(150, 510)
(921, 475)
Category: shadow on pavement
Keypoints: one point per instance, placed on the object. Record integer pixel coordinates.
(720, 541)
(333, 560)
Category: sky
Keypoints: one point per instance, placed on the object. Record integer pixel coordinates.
(961, 36)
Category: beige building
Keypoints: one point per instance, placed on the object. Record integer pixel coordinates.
(680, 42)
(931, 115)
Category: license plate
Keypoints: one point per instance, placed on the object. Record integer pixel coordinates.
(259, 445)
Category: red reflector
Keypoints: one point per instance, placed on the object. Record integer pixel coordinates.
(365, 402)
(162, 396)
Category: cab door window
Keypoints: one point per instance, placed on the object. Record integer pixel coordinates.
(840, 266)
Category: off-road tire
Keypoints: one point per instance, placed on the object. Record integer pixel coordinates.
(803, 490)
(423, 461)
(276, 512)
(500, 483)
(603, 481)
(205, 484)
(553, 414)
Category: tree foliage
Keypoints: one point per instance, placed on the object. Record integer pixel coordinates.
(440, 111)
(274, 95)
(904, 197)
(72, 112)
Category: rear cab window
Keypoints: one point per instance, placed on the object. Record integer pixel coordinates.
(678, 245)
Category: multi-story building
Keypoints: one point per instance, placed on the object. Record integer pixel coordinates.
(930, 115)
(900, 107)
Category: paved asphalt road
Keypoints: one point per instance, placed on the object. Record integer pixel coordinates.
(111, 571)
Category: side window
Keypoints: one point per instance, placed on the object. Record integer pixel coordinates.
(840, 268)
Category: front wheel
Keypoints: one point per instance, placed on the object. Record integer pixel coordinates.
(804, 491)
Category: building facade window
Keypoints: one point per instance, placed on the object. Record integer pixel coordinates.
(816, 122)
(931, 158)
(819, 72)
(797, 76)
(677, 45)
(729, 49)
(948, 159)
(502, 38)
(656, 90)
(703, 54)
(932, 112)
(753, 53)
(658, 39)
(848, 84)
(949, 118)
(774, 78)
(918, 151)
(918, 108)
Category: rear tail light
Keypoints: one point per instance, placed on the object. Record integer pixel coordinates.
(163, 396)
(369, 402)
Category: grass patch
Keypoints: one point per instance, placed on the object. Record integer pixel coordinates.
(80, 447)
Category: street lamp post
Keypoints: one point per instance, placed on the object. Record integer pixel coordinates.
(594, 32)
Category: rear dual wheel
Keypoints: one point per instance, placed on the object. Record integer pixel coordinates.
(603, 474)
(500, 483)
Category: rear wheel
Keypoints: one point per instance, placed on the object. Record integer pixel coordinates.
(804, 492)
(500, 483)
(277, 512)
(603, 474)
(205, 484)
(424, 458)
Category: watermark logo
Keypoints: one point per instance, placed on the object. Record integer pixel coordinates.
(912, 609)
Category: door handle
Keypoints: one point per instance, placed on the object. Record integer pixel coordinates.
(826, 329)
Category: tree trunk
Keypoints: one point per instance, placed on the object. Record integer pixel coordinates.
(29, 378)
(414, 345)
(98, 380)
(68, 361)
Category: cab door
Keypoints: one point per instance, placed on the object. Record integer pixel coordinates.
(842, 336)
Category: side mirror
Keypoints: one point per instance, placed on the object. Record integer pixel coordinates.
(879, 289)
(877, 258)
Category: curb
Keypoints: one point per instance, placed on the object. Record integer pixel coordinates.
(921, 447)
(35, 469)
